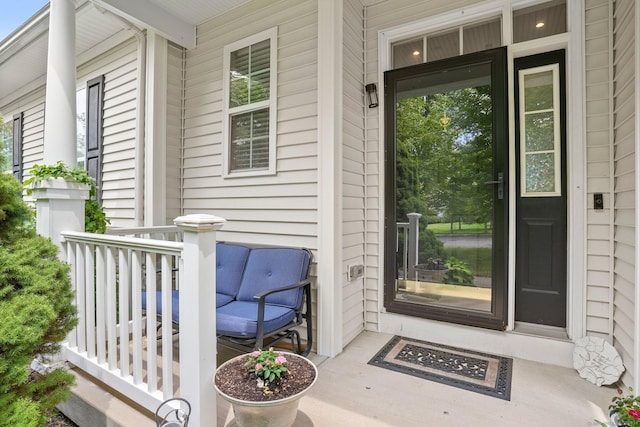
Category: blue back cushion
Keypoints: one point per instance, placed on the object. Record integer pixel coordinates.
(230, 262)
(271, 268)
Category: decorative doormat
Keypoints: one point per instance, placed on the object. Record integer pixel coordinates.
(466, 369)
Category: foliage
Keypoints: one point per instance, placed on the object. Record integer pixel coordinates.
(627, 407)
(443, 157)
(268, 365)
(95, 220)
(478, 259)
(430, 247)
(458, 272)
(37, 313)
(6, 145)
(16, 217)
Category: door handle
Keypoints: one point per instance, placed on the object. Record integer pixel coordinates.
(500, 183)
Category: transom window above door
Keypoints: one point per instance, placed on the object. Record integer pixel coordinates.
(533, 22)
(447, 44)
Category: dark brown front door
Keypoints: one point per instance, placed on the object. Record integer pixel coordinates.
(541, 190)
(446, 192)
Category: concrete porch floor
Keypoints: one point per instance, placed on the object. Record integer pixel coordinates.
(349, 392)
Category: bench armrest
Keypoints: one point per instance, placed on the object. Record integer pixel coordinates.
(264, 294)
(262, 298)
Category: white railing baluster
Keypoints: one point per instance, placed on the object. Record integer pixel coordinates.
(152, 337)
(72, 337)
(124, 279)
(101, 294)
(90, 307)
(81, 300)
(136, 308)
(112, 310)
(167, 329)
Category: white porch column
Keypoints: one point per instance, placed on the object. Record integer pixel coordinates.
(198, 346)
(330, 177)
(60, 105)
(155, 176)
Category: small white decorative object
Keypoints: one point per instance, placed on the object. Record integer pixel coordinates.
(597, 361)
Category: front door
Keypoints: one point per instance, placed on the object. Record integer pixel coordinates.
(541, 190)
(446, 189)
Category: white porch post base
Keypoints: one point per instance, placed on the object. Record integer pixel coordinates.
(59, 207)
(198, 347)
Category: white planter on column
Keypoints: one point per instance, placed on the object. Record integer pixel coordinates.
(59, 207)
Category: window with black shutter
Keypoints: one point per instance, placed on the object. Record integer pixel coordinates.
(93, 163)
(17, 146)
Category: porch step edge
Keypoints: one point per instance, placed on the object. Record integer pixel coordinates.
(92, 403)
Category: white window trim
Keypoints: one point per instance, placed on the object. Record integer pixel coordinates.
(272, 35)
(555, 69)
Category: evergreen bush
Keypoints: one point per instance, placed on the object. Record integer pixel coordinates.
(36, 313)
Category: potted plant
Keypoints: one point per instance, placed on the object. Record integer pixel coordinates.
(431, 271)
(264, 387)
(624, 410)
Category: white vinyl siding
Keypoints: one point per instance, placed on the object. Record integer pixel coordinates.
(599, 158)
(32, 138)
(353, 170)
(626, 152)
(175, 62)
(278, 209)
(119, 67)
(32, 107)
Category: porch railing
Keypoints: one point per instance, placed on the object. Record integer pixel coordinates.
(134, 351)
(408, 234)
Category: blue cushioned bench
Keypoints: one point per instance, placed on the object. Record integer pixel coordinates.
(261, 293)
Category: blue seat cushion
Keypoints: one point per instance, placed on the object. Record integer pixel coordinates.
(272, 268)
(175, 307)
(240, 319)
(230, 262)
(222, 299)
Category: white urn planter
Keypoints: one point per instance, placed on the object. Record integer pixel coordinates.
(279, 412)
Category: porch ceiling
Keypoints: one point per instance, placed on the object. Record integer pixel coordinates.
(23, 54)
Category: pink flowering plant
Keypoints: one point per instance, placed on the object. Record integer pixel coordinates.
(627, 408)
(268, 365)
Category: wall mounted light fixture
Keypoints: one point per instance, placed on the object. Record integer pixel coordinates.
(372, 94)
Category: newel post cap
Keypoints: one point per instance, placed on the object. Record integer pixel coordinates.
(199, 222)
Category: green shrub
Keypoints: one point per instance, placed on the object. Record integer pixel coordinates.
(15, 216)
(458, 274)
(36, 313)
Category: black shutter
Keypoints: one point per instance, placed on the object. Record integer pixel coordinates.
(17, 146)
(95, 88)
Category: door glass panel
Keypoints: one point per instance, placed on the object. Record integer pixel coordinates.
(539, 131)
(540, 172)
(539, 136)
(444, 209)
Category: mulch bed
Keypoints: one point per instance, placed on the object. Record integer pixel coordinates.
(235, 380)
(59, 420)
